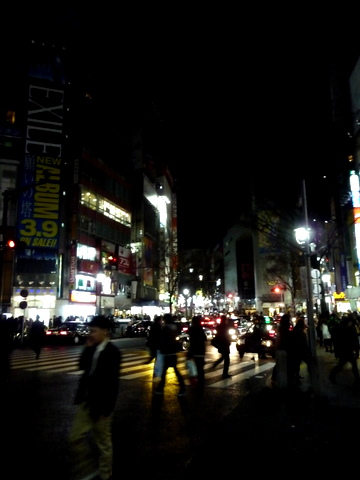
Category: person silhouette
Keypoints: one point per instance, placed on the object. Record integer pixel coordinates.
(153, 342)
(7, 331)
(197, 349)
(224, 342)
(95, 399)
(37, 336)
(169, 347)
(348, 344)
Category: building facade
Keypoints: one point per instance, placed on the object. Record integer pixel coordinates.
(87, 216)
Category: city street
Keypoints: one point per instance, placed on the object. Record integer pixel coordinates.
(150, 432)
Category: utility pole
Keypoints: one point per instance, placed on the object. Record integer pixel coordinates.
(315, 377)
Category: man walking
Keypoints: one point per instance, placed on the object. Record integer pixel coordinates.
(37, 336)
(348, 344)
(95, 399)
(169, 347)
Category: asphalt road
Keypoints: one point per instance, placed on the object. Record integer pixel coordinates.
(157, 436)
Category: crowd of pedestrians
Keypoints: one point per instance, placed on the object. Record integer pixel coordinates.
(338, 334)
(97, 391)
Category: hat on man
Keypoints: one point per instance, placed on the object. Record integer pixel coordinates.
(100, 321)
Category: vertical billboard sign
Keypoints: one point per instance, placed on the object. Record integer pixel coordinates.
(39, 203)
(125, 261)
(174, 235)
(355, 195)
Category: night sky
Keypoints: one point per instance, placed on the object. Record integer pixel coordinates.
(241, 98)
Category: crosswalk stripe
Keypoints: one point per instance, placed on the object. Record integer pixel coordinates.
(255, 370)
(134, 366)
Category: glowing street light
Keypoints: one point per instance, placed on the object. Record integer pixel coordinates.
(186, 292)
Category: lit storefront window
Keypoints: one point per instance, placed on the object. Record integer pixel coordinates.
(102, 205)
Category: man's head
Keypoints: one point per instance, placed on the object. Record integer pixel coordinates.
(99, 329)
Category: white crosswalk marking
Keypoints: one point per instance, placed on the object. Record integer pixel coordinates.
(242, 376)
(134, 366)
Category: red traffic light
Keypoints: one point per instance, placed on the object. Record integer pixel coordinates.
(11, 244)
(112, 262)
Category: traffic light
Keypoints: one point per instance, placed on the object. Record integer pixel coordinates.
(277, 289)
(112, 261)
(11, 244)
(8, 244)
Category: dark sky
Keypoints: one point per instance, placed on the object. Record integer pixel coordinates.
(242, 97)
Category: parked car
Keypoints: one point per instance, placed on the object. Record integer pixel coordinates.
(70, 332)
(258, 338)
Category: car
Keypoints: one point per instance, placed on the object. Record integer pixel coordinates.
(138, 328)
(209, 323)
(70, 332)
(233, 328)
(210, 333)
(183, 340)
(258, 338)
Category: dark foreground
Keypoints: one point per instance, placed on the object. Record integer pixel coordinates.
(294, 430)
(251, 429)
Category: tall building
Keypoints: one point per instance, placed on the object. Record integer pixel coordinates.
(81, 198)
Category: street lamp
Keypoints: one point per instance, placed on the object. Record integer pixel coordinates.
(186, 295)
(302, 236)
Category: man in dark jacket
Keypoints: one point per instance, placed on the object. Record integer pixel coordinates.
(96, 400)
(224, 342)
(197, 349)
(37, 336)
(348, 344)
(169, 348)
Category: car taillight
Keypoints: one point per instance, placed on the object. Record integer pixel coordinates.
(272, 333)
(48, 332)
(63, 332)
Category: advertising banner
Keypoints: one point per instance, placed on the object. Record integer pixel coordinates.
(39, 202)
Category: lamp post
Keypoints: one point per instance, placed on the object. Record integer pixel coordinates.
(186, 295)
(302, 236)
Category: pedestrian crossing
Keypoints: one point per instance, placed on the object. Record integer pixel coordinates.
(134, 366)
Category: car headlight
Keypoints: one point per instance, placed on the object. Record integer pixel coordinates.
(232, 331)
(266, 343)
